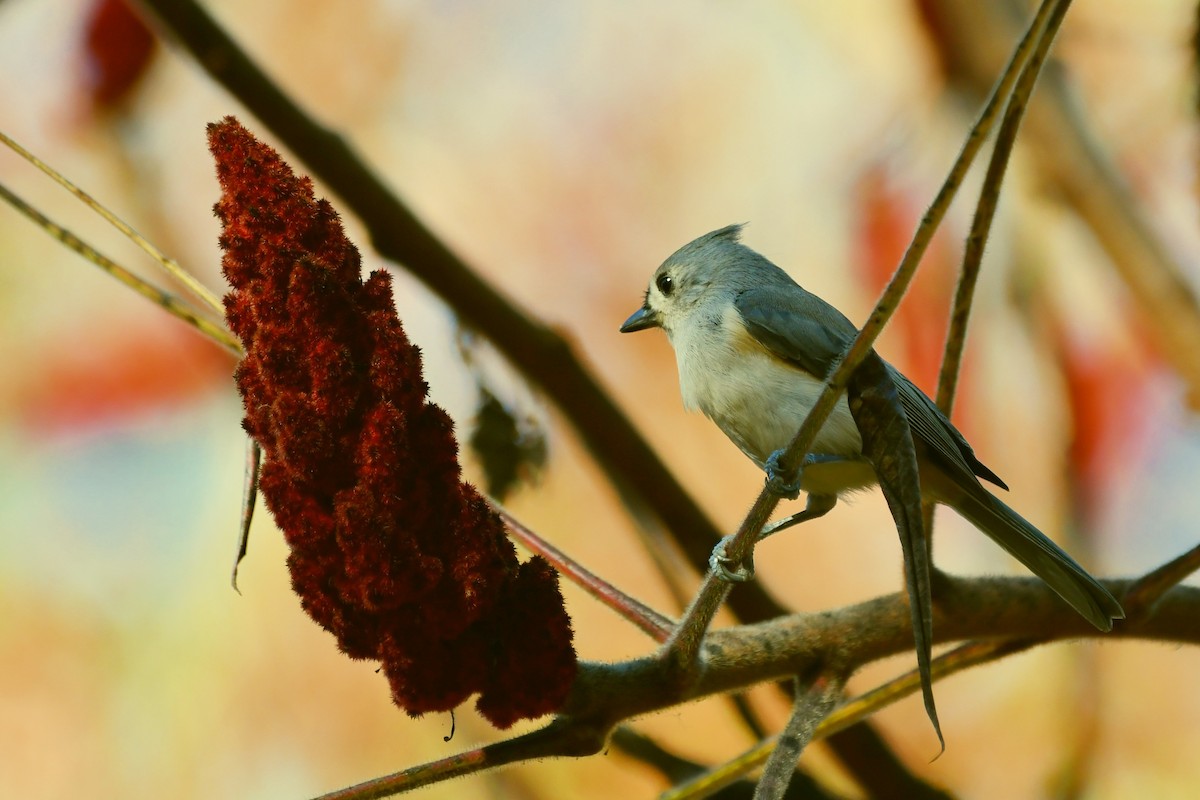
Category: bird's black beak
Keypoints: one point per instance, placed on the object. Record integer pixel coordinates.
(640, 320)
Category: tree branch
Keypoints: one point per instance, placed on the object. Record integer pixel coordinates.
(985, 213)
(1143, 596)
(814, 700)
(849, 714)
(1011, 611)
(541, 354)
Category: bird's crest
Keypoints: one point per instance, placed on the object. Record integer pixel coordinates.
(731, 232)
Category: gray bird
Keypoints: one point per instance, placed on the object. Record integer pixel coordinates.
(753, 350)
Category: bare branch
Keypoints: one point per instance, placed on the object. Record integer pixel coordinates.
(538, 351)
(814, 701)
(850, 714)
(985, 213)
(656, 625)
(193, 285)
(173, 305)
(1143, 596)
(1083, 171)
(1007, 615)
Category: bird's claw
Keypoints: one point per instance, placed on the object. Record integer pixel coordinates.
(726, 568)
(776, 481)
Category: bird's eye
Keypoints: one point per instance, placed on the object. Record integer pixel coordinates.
(665, 284)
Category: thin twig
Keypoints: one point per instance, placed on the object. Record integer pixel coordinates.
(985, 212)
(814, 701)
(558, 738)
(174, 305)
(189, 281)
(1144, 594)
(444, 769)
(977, 238)
(850, 713)
(1082, 169)
(656, 625)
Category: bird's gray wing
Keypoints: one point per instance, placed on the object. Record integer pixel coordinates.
(797, 326)
(803, 329)
(940, 436)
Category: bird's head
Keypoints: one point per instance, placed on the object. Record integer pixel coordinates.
(701, 270)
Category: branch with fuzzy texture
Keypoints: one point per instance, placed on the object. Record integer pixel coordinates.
(604, 695)
(813, 703)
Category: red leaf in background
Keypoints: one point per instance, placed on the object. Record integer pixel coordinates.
(1107, 384)
(117, 48)
(887, 217)
(119, 374)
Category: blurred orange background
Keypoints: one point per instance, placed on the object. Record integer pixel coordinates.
(564, 150)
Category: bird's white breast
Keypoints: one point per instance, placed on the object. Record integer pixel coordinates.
(756, 398)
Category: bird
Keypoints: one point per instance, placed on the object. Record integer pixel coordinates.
(753, 350)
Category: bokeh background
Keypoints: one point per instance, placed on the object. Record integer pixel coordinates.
(565, 149)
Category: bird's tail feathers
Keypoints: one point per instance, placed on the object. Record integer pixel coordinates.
(1042, 556)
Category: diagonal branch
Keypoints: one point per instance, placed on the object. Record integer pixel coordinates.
(652, 623)
(1084, 172)
(852, 712)
(814, 701)
(173, 304)
(985, 213)
(1143, 596)
(540, 353)
(172, 267)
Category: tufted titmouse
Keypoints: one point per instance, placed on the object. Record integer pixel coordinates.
(753, 350)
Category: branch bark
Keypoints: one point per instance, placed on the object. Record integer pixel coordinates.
(1007, 609)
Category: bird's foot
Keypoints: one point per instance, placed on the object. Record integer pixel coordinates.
(726, 568)
(777, 482)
